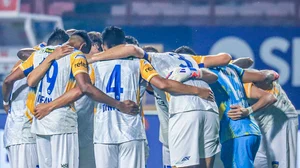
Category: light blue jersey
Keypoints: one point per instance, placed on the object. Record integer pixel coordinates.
(229, 91)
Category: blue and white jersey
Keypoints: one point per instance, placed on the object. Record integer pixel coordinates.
(229, 90)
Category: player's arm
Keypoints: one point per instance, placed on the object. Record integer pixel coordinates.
(208, 61)
(120, 51)
(18, 73)
(149, 74)
(265, 99)
(79, 70)
(259, 76)
(39, 72)
(244, 63)
(43, 109)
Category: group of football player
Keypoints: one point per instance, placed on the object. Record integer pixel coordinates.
(75, 101)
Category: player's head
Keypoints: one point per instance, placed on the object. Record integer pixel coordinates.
(112, 36)
(58, 36)
(96, 38)
(150, 49)
(70, 31)
(81, 41)
(185, 50)
(24, 53)
(131, 40)
(265, 85)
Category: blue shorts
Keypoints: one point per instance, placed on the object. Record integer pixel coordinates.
(240, 152)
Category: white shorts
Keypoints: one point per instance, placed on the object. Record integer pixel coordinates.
(193, 135)
(58, 150)
(23, 155)
(166, 156)
(279, 144)
(87, 157)
(125, 155)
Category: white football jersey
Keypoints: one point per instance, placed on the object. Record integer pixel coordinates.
(85, 112)
(120, 79)
(58, 80)
(162, 107)
(283, 109)
(17, 126)
(164, 63)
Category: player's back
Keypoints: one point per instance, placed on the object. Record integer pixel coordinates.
(17, 127)
(119, 79)
(164, 63)
(58, 79)
(280, 111)
(229, 91)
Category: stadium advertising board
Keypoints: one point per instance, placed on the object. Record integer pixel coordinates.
(9, 5)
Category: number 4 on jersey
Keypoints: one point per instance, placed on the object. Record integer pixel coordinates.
(115, 78)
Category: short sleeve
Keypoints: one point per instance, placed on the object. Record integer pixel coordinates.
(239, 70)
(79, 63)
(247, 87)
(199, 60)
(147, 71)
(27, 66)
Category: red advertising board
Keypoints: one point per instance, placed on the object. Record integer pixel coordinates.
(9, 5)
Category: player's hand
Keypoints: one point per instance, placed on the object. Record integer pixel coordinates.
(6, 108)
(179, 74)
(206, 94)
(129, 107)
(62, 51)
(41, 110)
(237, 112)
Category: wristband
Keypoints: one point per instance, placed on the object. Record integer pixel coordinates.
(250, 110)
(5, 103)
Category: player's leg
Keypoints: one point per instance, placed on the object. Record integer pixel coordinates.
(132, 154)
(106, 155)
(240, 152)
(209, 139)
(27, 156)
(65, 150)
(262, 158)
(44, 151)
(283, 144)
(166, 156)
(184, 137)
(87, 156)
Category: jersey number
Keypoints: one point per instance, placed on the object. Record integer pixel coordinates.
(182, 58)
(115, 78)
(51, 78)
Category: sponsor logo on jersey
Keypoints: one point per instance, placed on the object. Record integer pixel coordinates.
(49, 50)
(66, 165)
(81, 64)
(149, 69)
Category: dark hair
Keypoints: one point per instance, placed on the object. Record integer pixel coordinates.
(96, 38)
(185, 50)
(58, 36)
(88, 43)
(150, 49)
(113, 36)
(131, 40)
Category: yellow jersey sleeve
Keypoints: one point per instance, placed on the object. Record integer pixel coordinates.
(199, 60)
(147, 71)
(27, 66)
(92, 74)
(247, 87)
(78, 63)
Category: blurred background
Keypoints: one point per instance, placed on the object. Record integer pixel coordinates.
(268, 31)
